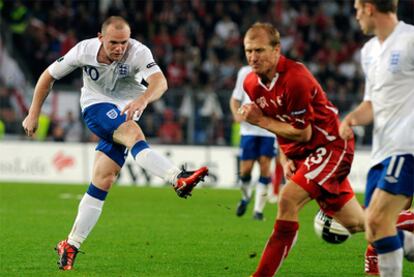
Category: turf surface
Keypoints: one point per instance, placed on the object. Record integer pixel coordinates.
(151, 232)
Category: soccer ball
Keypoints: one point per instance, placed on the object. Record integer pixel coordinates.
(329, 229)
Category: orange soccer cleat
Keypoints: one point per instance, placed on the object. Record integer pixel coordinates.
(371, 261)
(67, 254)
(187, 180)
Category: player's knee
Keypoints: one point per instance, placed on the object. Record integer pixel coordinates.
(374, 221)
(355, 226)
(133, 135)
(369, 235)
(128, 134)
(136, 137)
(106, 181)
(287, 205)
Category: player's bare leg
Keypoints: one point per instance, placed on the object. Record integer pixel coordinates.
(390, 244)
(405, 222)
(351, 216)
(104, 174)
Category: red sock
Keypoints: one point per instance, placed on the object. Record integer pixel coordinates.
(406, 221)
(277, 178)
(277, 247)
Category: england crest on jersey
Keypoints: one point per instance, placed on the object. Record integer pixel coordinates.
(112, 114)
(394, 62)
(123, 70)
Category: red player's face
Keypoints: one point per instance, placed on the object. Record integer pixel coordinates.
(261, 56)
(115, 42)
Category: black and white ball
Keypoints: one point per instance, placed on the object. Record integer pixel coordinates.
(329, 229)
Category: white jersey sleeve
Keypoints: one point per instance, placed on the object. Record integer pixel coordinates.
(238, 92)
(66, 64)
(247, 129)
(364, 65)
(146, 65)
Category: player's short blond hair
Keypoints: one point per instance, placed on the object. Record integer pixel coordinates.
(117, 22)
(383, 6)
(272, 32)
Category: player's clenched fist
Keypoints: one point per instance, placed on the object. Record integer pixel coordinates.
(30, 124)
(345, 130)
(251, 113)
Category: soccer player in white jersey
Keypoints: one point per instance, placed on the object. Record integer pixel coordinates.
(256, 144)
(112, 99)
(388, 63)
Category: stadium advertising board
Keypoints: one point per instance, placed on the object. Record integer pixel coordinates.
(42, 162)
(71, 163)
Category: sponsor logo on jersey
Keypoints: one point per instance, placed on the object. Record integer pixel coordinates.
(391, 179)
(298, 112)
(123, 70)
(261, 101)
(112, 114)
(395, 59)
(280, 118)
(151, 64)
(273, 102)
(279, 101)
(92, 72)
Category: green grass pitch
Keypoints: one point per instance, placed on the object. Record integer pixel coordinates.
(151, 232)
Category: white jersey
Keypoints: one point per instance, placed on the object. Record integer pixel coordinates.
(389, 70)
(117, 83)
(240, 95)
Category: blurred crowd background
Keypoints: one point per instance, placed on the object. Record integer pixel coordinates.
(198, 45)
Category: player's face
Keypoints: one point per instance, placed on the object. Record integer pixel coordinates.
(364, 16)
(115, 42)
(260, 55)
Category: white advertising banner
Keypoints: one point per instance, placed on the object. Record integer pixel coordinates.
(42, 162)
(71, 163)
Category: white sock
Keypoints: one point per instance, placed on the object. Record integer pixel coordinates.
(90, 209)
(408, 246)
(260, 197)
(390, 264)
(157, 165)
(246, 190)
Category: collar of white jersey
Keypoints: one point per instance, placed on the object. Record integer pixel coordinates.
(389, 39)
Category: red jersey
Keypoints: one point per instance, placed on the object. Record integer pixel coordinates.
(295, 97)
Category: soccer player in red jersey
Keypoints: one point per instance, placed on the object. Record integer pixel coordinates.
(288, 101)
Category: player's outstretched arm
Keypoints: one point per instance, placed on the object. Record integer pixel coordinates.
(43, 86)
(362, 115)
